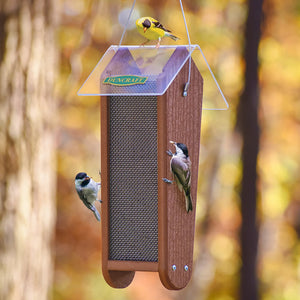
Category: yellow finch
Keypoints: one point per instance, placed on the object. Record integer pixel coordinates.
(151, 29)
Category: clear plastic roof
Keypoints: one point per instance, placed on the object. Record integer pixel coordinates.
(136, 70)
(146, 70)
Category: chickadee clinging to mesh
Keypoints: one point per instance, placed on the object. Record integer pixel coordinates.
(180, 165)
(87, 190)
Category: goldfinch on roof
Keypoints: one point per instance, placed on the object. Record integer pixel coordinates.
(151, 29)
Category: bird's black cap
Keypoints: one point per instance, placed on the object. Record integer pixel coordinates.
(147, 23)
(81, 175)
(184, 148)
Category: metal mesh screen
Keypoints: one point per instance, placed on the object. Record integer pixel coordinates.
(133, 178)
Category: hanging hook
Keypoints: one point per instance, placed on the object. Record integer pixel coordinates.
(186, 86)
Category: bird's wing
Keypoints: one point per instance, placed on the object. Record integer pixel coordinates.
(158, 25)
(181, 172)
(83, 198)
(88, 205)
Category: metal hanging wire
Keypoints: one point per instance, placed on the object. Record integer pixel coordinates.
(186, 86)
(127, 22)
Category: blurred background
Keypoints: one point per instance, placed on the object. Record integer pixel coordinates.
(248, 208)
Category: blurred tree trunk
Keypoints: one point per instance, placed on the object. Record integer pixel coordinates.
(249, 126)
(27, 144)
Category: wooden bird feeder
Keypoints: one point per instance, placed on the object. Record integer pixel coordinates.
(145, 226)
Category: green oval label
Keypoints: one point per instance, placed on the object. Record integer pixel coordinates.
(124, 80)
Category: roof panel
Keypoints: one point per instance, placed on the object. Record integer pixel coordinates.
(136, 70)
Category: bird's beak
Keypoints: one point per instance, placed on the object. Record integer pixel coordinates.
(172, 142)
(87, 177)
(145, 29)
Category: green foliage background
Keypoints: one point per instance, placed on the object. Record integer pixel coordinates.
(87, 29)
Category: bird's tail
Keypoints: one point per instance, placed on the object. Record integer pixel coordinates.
(173, 37)
(188, 202)
(96, 213)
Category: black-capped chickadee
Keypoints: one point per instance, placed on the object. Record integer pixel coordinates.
(181, 169)
(87, 190)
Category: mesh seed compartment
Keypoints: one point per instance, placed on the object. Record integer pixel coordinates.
(133, 179)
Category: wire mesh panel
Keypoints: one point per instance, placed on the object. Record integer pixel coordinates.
(133, 187)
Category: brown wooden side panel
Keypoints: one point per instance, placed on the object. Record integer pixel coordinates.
(116, 279)
(179, 121)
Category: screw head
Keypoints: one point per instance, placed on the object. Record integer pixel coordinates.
(174, 267)
(186, 268)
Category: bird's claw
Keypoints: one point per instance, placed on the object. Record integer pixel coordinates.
(169, 153)
(143, 44)
(167, 180)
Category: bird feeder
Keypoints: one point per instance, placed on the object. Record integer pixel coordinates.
(145, 226)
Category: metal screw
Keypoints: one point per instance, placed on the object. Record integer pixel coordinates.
(186, 268)
(174, 267)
